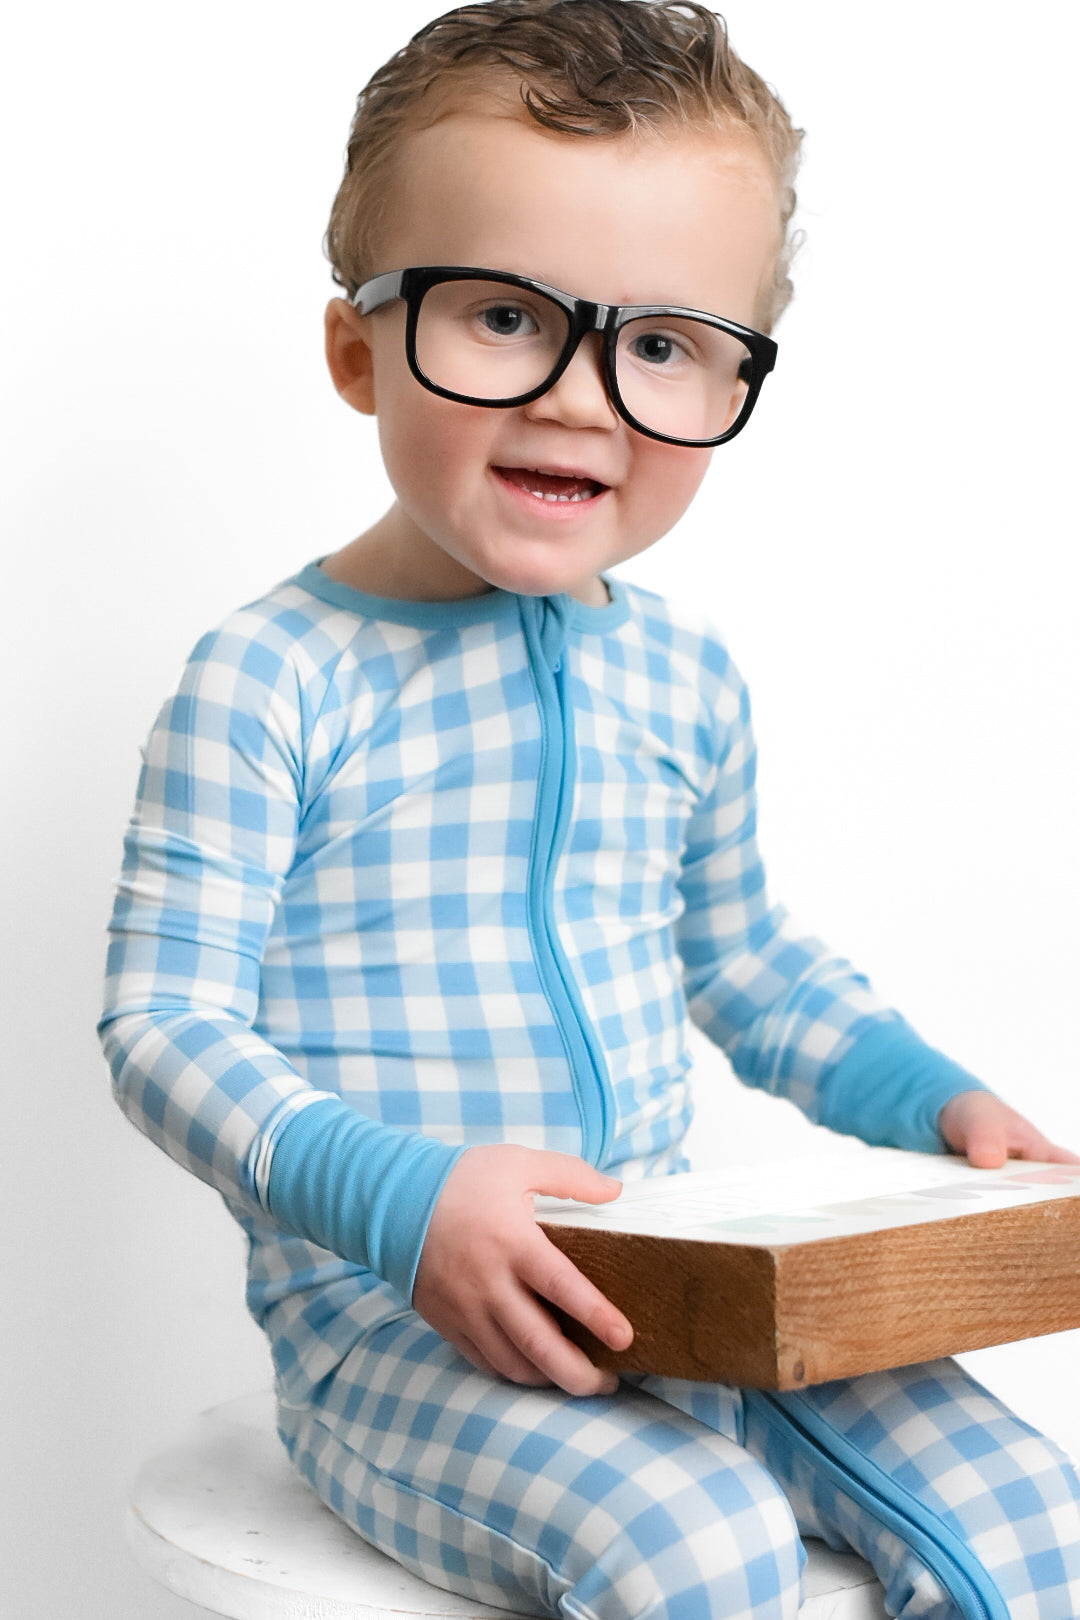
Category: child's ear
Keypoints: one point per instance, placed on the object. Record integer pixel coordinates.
(348, 354)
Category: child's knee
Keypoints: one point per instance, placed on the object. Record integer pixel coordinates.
(727, 1545)
(1030, 1542)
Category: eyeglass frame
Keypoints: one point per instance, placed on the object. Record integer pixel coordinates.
(584, 316)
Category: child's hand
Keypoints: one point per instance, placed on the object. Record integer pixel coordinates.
(486, 1267)
(989, 1132)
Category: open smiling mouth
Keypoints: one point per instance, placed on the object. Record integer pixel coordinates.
(567, 488)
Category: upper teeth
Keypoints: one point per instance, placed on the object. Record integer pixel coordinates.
(541, 495)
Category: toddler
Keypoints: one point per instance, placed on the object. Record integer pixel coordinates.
(443, 840)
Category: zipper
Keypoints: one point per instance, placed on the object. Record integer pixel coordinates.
(943, 1552)
(544, 624)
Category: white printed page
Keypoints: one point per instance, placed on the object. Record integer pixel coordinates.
(803, 1200)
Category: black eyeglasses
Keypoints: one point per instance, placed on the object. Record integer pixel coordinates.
(487, 337)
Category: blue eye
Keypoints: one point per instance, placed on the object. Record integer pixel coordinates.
(507, 320)
(654, 348)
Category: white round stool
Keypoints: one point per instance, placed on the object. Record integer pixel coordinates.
(222, 1518)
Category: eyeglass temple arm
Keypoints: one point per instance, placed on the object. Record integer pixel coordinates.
(378, 291)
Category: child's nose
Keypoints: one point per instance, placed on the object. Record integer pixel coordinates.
(580, 397)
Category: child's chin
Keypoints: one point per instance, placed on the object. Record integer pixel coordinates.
(534, 581)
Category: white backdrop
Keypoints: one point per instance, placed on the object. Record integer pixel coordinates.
(890, 549)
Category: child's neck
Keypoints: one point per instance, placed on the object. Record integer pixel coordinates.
(378, 564)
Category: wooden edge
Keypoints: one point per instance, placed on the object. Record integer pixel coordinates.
(900, 1295)
(804, 1313)
(694, 1306)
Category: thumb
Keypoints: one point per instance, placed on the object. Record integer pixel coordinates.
(986, 1147)
(563, 1176)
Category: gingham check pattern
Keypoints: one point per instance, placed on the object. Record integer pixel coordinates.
(667, 1500)
(324, 891)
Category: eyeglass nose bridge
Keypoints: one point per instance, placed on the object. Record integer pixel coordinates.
(586, 318)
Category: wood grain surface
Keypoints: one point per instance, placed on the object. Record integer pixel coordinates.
(785, 1316)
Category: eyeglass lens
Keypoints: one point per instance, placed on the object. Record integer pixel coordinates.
(677, 376)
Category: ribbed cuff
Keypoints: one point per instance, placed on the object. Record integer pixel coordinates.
(890, 1089)
(364, 1190)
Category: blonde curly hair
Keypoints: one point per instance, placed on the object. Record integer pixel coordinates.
(578, 67)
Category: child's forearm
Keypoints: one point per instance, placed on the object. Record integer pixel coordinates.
(820, 1038)
(227, 1106)
(801, 1023)
(362, 1189)
(890, 1088)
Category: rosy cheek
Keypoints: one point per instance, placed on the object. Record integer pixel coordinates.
(676, 472)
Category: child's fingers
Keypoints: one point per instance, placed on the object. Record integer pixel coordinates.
(560, 1175)
(989, 1132)
(989, 1149)
(1035, 1146)
(984, 1156)
(1060, 1155)
(476, 1357)
(551, 1275)
(510, 1335)
(1025, 1140)
(502, 1357)
(472, 1329)
(536, 1336)
(986, 1149)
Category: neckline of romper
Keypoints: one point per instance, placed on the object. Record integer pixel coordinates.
(493, 605)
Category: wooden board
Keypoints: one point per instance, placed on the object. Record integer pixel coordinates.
(941, 1259)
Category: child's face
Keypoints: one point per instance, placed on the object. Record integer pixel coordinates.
(685, 219)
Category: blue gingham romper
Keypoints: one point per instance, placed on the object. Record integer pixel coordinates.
(405, 877)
